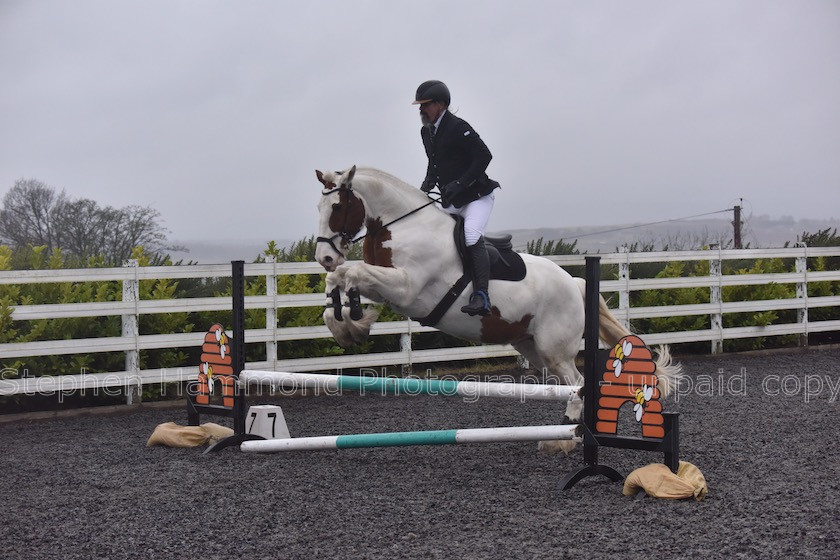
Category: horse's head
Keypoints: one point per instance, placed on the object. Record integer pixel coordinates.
(342, 216)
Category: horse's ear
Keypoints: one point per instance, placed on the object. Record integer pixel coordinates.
(320, 177)
(350, 174)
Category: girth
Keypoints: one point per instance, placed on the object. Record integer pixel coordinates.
(505, 264)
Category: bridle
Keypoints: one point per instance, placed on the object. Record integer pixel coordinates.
(346, 236)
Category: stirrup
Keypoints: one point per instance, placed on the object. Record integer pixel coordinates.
(479, 304)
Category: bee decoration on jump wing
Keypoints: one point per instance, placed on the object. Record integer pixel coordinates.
(643, 395)
(622, 351)
(207, 370)
(222, 339)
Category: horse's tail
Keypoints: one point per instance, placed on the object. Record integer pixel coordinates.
(611, 330)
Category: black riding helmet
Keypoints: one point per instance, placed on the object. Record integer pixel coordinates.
(432, 90)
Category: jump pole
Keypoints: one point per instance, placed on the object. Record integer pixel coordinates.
(402, 439)
(410, 386)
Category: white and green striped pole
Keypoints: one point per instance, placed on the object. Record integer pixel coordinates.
(401, 439)
(410, 386)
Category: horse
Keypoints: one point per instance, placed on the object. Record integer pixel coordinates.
(411, 261)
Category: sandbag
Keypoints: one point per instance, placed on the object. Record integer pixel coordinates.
(171, 434)
(658, 481)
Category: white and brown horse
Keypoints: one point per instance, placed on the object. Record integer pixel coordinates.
(411, 261)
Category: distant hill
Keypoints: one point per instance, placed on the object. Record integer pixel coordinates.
(758, 232)
(205, 252)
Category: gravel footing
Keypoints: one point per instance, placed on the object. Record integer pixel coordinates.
(87, 487)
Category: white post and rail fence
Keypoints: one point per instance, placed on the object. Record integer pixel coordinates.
(132, 307)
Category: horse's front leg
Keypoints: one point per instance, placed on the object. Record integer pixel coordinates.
(345, 331)
(352, 326)
(335, 279)
(379, 283)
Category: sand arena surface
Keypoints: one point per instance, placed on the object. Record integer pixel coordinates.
(88, 487)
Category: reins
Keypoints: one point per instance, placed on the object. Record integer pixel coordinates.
(431, 201)
(347, 237)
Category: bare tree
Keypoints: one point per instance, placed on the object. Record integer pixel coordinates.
(130, 227)
(80, 223)
(29, 213)
(35, 214)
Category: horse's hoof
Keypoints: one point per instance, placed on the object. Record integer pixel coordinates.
(555, 446)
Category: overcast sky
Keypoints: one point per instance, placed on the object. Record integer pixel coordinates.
(597, 113)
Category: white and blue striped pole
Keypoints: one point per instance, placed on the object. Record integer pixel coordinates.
(410, 386)
(401, 439)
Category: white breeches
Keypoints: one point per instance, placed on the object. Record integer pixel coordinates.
(475, 214)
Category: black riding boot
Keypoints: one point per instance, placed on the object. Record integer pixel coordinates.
(480, 299)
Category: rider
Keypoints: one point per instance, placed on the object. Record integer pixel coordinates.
(458, 159)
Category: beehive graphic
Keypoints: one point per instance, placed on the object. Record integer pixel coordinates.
(630, 376)
(215, 373)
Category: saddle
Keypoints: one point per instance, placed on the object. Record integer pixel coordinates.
(505, 264)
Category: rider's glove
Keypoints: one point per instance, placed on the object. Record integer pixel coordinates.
(451, 191)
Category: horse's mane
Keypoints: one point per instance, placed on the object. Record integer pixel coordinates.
(378, 181)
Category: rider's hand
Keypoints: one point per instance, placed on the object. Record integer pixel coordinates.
(451, 192)
(427, 185)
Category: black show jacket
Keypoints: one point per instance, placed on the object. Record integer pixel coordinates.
(457, 153)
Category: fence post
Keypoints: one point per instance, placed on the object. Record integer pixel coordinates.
(802, 293)
(271, 312)
(624, 280)
(716, 274)
(405, 346)
(131, 294)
